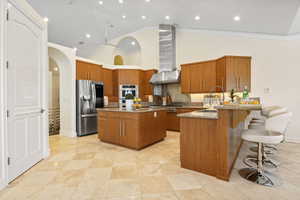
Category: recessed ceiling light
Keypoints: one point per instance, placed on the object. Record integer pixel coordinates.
(144, 17)
(101, 2)
(121, 1)
(237, 18)
(133, 43)
(167, 17)
(197, 18)
(46, 19)
(87, 35)
(147, 0)
(124, 16)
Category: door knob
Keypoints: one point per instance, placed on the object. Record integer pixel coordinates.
(42, 110)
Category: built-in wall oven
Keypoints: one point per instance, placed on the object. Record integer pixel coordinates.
(127, 89)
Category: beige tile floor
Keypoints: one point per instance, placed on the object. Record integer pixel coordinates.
(84, 168)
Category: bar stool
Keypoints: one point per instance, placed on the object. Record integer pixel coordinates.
(278, 124)
(267, 112)
(272, 123)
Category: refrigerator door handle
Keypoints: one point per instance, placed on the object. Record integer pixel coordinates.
(89, 115)
(93, 100)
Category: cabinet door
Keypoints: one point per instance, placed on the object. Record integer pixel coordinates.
(173, 122)
(129, 132)
(129, 76)
(185, 79)
(81, 70)
(115, 78)
(196, 78)
(208, 71)
(160, 124)
(221, 75)
(95, 72)
(231, 74)
(244, 73)
(107, 79)
(111, 130)
(148, 86)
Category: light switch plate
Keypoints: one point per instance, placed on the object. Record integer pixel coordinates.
(266, 90)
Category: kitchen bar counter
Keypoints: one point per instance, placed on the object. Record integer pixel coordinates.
(200, 114)
(141, 110)
(212, 146)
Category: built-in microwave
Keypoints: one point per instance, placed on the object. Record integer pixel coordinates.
(126, 89)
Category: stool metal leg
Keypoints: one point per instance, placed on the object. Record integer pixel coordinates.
(259, 175)
(251, 161)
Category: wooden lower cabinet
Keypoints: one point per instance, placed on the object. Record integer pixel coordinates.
(135, 130)
(173, 122)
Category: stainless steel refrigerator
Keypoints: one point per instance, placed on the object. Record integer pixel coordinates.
(89, 97)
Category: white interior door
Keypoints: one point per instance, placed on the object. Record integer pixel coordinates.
(24, 95)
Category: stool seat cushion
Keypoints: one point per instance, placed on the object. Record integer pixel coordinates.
(262, 136)
(256, 126)
(259, 118)
(257, 121)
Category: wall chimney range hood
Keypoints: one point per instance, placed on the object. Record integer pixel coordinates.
(168, 72)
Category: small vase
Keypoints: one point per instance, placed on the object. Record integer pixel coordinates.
(129, 104)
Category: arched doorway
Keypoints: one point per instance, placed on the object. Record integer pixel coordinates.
(53, 105)
(130, 50)
(65, 60)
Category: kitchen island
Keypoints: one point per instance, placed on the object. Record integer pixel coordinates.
(133, 129)
(210, 141)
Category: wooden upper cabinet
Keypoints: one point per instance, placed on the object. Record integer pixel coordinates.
(208, 75)
(95, 73)
(198, 77)
(228, 72)
(234, 72)
(81, 70)
(148, 87)
(129, 76)
(107, 79)
(88, 71)
(185, 79)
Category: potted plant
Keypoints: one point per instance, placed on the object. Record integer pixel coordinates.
(129, 101)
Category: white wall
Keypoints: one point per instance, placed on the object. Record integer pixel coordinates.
(275, 63)
(148, 40)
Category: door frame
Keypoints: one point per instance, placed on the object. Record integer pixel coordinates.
(31, 14)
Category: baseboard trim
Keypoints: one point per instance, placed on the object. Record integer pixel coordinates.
(293, 140)
(2, 184)
(68, 133)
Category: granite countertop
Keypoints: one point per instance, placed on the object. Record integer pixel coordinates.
(199, 114)
(142, 110)
(240, 107)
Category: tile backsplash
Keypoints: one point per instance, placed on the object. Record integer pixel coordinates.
(174, 90)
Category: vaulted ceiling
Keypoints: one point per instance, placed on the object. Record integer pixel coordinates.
(71, 20)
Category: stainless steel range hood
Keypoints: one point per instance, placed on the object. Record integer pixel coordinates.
(168, 72)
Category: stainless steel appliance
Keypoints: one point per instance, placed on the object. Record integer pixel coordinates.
(168, 72)
(125, 89)
(89, 96)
